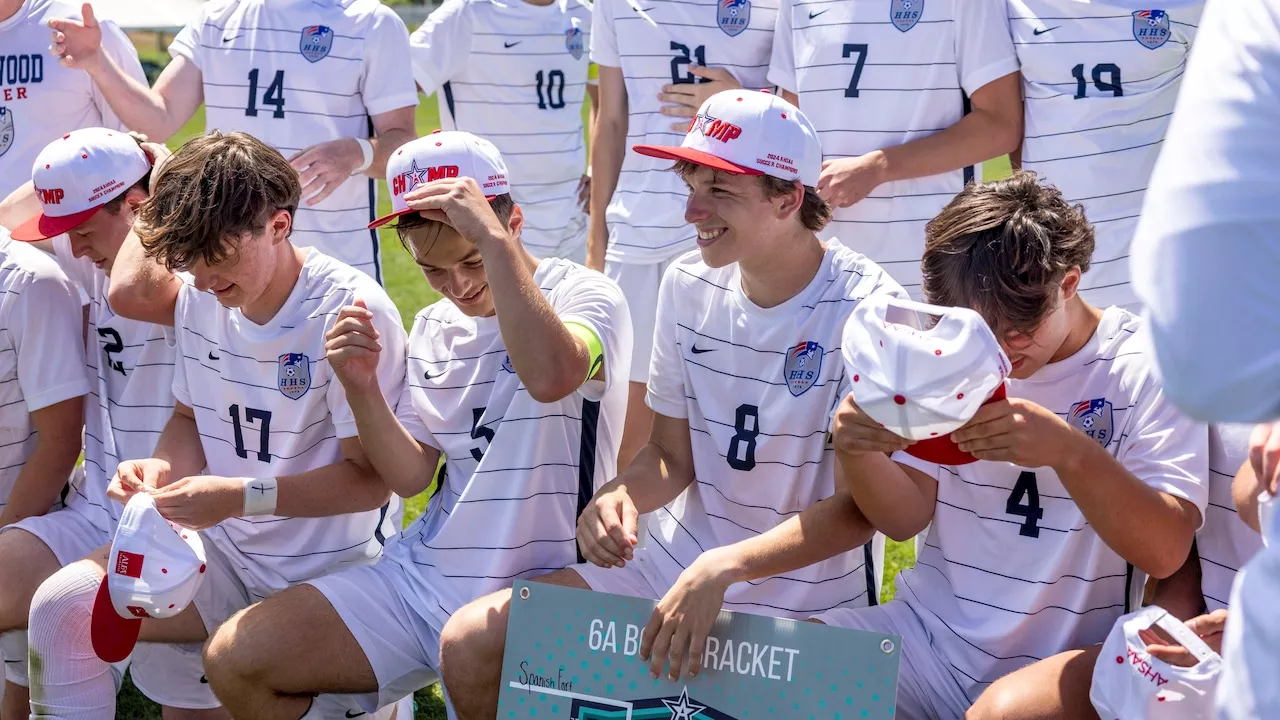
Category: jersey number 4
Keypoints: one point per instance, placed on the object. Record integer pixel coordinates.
(263, 417)
(274, 94)
(1030, 511)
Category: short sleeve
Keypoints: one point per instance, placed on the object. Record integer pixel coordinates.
(1165, 449)
(409, 419)
(117, 45)
(46, 326)
(441, 47)
(388, 83)
(782, 59)
(933, 470)
(666, 392)
(984, 43)
(598, 303)
(183, 308)
(604, 39)
(391, 363)
(187, 42)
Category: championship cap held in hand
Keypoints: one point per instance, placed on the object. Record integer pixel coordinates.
(75, 175)
(154, 570)
(749, 133)
(922, 381)
(441, 155)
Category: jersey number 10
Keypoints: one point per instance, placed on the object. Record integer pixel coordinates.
(274, 94)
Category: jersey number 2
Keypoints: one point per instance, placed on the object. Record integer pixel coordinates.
(1030, 511)
(114, 346)
(274, 94)
(264, 431)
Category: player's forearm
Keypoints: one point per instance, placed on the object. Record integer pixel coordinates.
(395, 455)
(139, 107)
(44, 474)
(180, 446)
(887, 496)
(337, 489)
(654, 478)
(608, 149)
(1244, 490)
(1126, 512)
(387, 140)
(823, 530)
(140, 288)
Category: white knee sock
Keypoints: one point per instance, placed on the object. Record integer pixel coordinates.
(13, 648)
(68, 681)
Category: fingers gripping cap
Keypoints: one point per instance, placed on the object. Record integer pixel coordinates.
(440, 155)
(922, 379)
(154, 570)
(749, 133)
(75, 175)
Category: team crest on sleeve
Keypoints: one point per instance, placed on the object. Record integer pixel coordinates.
(506, 365)
(316, 42)
(294, 375)
(1151, 28)
(733, 16)
(804, 362)
(1093, 418)
(905, 13)
(575, 42)
(6, 130)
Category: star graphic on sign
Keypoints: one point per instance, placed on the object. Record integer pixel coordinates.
(683, 709)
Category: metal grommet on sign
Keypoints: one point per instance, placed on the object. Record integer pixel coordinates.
(886, 646)
(524, 593)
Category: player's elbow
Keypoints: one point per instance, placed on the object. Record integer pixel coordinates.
(1162, 559)
(129, 299)
(550, 389)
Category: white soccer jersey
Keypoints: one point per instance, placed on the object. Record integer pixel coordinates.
(1224, 542)
(131, 397)
(654, 48)
(515, 73)
(295, 73)
(510, 512)
(41, 100)
(41, 350)
(1011, 571)
(267, 404)
(872, 74)
(1100, 81)
(759, 387)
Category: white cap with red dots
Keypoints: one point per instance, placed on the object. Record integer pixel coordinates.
(439, 156)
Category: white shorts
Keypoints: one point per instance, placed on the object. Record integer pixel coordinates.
(627, 580)
(926, 688)
(402, 647)
(66, 532)
(640, 285)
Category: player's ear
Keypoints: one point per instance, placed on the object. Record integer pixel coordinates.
(280, 224)
(134, 197)
(1070, 283)
(515, 223)
(790, 202)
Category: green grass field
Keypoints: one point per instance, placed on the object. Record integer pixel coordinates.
(411, 293)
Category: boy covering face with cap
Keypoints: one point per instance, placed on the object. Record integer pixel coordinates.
(519, 379)
(744, 381)
(1086, 479)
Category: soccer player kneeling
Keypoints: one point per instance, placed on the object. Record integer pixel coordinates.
(1086, 481)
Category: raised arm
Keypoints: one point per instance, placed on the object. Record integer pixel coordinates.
(142, 289)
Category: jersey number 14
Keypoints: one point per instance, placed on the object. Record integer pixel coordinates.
(273, 95)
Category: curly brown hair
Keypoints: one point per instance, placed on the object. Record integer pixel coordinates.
(815, 212)
(213, 191)
(1003, 248)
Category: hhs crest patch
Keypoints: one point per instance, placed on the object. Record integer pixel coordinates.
(733, 16)
(6, 130)
(316, 42)
(1093, 418)
(294, 375)
(1151, 28)
(905, 13)
(804, 363)
(574, 42)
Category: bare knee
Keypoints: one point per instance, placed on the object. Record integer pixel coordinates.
(475, 633)
(235, 652)
(25, 562)
(1001, 701)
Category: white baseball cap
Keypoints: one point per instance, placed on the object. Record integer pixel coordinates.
(1128, 682)
(921, 379)
(153, 571)
(75, 175)
(440, 155)
(749, 133)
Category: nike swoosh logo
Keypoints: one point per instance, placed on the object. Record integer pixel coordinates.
(428, 376)
(229, 39)
(813, 15)
(204, 680)
(214, 357)
(511, 45)
(1040, 31)
(698, 351)
(348, 713)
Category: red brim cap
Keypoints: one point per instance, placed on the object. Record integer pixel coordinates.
(392, 216)
(113, 636)
(671, 152)
(942, 449)
(43, 227)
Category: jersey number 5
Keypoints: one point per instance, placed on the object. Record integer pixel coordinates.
(1030, 512)
(274, 94)
(479, 432)
(264, 431)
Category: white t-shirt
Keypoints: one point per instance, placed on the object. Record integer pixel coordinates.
(39, 99)
(1224, 542)
(41, 350)
(1011, 571)
(646, 214)
(1100, 81)
(516, 74)
(511, 512)
(1206, 242)
(872, 75)
(295, 73)
(131, 397)
(759, 387)
(268, 404)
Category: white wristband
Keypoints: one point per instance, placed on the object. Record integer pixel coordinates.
(259, 496)
(366, 148)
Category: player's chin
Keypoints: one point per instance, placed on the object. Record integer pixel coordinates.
(720, 252)
(476, 303)
(231, 296)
